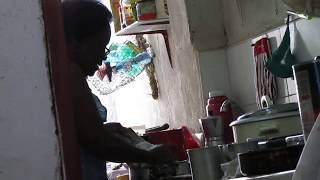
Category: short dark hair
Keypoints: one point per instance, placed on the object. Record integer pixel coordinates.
(84, 18)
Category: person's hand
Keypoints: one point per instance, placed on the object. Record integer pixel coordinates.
(113, 126)
(104, 70)
(126, 133)
(163, 153)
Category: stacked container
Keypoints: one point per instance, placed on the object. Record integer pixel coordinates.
(219, 105)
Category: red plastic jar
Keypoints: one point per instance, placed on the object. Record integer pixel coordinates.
(214, 108)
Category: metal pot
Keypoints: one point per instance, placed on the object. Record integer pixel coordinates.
(143, 171)
(212, 128)
(273, 121)
(231, 151)
(205, 163)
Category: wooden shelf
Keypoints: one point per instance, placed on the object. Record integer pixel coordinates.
(145, 27)
(158, 26)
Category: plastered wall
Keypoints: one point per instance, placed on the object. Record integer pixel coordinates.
(28, 148)
(305, 45)
(244, 19)
(180, 101)
(184, 88)
(214, 72)
(206, 24)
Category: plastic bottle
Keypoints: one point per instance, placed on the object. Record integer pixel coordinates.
(219, 105)
(125, 52)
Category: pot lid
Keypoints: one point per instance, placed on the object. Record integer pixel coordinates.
(271, 112)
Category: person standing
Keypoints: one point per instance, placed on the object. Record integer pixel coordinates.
(87, 32)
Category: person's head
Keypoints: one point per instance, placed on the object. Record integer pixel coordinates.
(87, 32)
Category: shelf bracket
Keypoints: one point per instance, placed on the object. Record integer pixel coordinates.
(159, 26)
(164, 34)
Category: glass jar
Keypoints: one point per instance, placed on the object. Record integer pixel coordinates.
(146, 10)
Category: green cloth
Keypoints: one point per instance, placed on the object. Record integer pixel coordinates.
(281, 61)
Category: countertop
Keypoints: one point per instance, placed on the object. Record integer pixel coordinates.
(286, 175)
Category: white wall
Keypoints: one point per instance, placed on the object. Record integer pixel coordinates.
(133, 104)
(305, 37)
(214, 72)
(247, 18)
(180, 101)
(28, 148)
(206, 23)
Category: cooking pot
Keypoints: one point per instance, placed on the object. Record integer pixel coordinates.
(205, 163)
(143, 171)
(270, 122)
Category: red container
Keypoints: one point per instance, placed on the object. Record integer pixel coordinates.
(146, 10)
(214, 108)
(181, 138)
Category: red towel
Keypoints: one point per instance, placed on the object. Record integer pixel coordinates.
(265, 82)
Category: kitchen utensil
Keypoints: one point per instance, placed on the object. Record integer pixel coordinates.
(295, 140)
(205, 163)
(182, 168)
(143, 171)
(139, 171)
(307, 79)
(269, 161)
(274, 121)
(181, 138)
(212, 128)
(158, 128)
(218, 104)
(200, 138)
(266, 101)
(231, 151)
(183, 177)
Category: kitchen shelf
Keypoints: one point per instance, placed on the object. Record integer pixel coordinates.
(143, 27)
(158, 26)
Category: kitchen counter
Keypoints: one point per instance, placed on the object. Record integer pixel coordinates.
(286, 175)
(182, 177)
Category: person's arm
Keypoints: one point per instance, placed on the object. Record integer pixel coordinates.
(101, 141)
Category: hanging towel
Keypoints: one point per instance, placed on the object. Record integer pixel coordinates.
(265, 81)
(281, 61)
